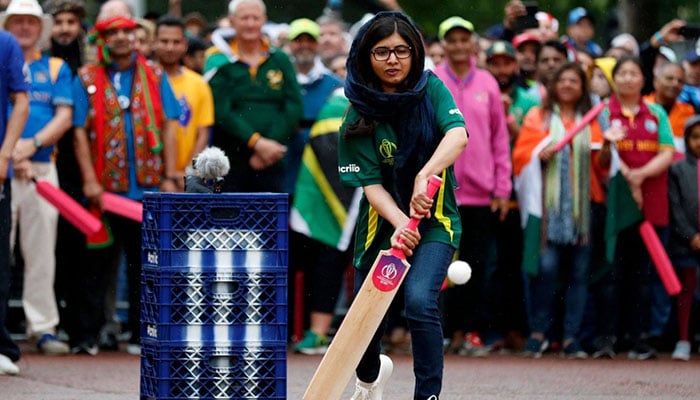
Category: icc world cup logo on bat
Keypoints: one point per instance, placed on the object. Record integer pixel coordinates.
(388, 276)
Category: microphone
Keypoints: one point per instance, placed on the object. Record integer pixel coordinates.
(210, 166)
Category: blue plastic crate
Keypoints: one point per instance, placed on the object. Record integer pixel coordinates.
(228, 229)
(197, 370)
(213, 305)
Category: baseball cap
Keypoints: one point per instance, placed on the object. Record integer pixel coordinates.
(195, 18)
(525, 37)
(500, 48)
(301, 26)
(452, 23)
(578, 14)
(692, 56)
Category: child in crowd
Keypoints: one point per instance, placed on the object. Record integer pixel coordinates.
(684, 243)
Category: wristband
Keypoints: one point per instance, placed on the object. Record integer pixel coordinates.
(253, 139)
(172, 179)
(659, 38)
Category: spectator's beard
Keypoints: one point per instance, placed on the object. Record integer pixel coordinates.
(506, 85)
(70, 53)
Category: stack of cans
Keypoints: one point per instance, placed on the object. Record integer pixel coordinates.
(214, 296)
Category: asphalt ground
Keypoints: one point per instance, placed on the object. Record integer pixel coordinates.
(116, 375)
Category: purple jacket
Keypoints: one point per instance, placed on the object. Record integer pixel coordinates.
(483, 170)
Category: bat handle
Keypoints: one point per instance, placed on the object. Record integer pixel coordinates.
(434, 183)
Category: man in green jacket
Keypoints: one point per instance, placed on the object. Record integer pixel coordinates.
(257, 100)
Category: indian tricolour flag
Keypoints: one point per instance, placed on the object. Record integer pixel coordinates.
(528, 186)
(622, 210)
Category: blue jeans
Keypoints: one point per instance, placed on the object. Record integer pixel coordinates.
(660, 300)
(543, 287)
(421, 292)
(8, 348)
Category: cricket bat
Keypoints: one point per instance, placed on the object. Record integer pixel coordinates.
(122, 206)
(362, 319)
(70, 209)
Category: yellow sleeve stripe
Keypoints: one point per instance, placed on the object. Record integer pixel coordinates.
(372, 222)
(440, 208)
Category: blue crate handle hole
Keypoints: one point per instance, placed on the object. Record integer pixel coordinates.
(224, 213)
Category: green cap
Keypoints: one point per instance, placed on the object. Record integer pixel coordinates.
(500, 48)
(301, 26)
(454, 22)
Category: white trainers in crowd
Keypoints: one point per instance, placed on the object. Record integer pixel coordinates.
(7, 367)
(374, 390)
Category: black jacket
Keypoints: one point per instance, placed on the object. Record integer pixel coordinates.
(683, 205)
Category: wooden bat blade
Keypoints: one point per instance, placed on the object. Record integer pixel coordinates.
(122, 206)
(363, 318)
(70, 209)
(358, 327)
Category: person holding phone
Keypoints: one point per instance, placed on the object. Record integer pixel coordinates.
(691, 89)
(507, 30)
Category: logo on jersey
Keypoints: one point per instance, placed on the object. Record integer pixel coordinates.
(387, 150)
(185, 112)
(352, 168)
(651, 126)
(275, 79)
(454, 111)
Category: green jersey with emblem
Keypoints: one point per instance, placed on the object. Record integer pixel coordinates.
(368, 160)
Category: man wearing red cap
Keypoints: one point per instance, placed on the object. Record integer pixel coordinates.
(125, 112)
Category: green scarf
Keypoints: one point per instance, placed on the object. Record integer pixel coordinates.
(581, 160)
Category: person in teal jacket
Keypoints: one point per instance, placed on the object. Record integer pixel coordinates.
(257, 100)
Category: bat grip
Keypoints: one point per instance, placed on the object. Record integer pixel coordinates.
(434, 183)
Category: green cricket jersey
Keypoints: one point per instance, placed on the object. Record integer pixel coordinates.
(361, 161)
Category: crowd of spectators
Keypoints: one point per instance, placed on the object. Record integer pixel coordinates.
(125, 104)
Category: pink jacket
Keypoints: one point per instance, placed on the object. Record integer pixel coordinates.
(483, 170)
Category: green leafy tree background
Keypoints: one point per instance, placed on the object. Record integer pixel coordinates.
(639, 17)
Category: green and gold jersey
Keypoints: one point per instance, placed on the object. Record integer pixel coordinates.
(368, 160)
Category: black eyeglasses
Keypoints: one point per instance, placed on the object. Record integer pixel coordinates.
(383, 53)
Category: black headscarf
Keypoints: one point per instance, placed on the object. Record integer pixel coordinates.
(410, 112)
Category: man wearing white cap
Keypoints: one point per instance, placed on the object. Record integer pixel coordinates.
(51, 110)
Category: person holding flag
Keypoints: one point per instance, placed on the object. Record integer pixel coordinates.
(124, 118)
(556, 190)
(637, 191)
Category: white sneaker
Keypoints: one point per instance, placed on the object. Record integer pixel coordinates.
(682, 351)
(374, 390)
(7, 367)
(133, 349)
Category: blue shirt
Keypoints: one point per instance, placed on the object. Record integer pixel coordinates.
(12, 78)
(691, 95)
(122, 82)
(48, 90)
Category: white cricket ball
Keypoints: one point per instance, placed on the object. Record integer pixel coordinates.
(459, 272)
